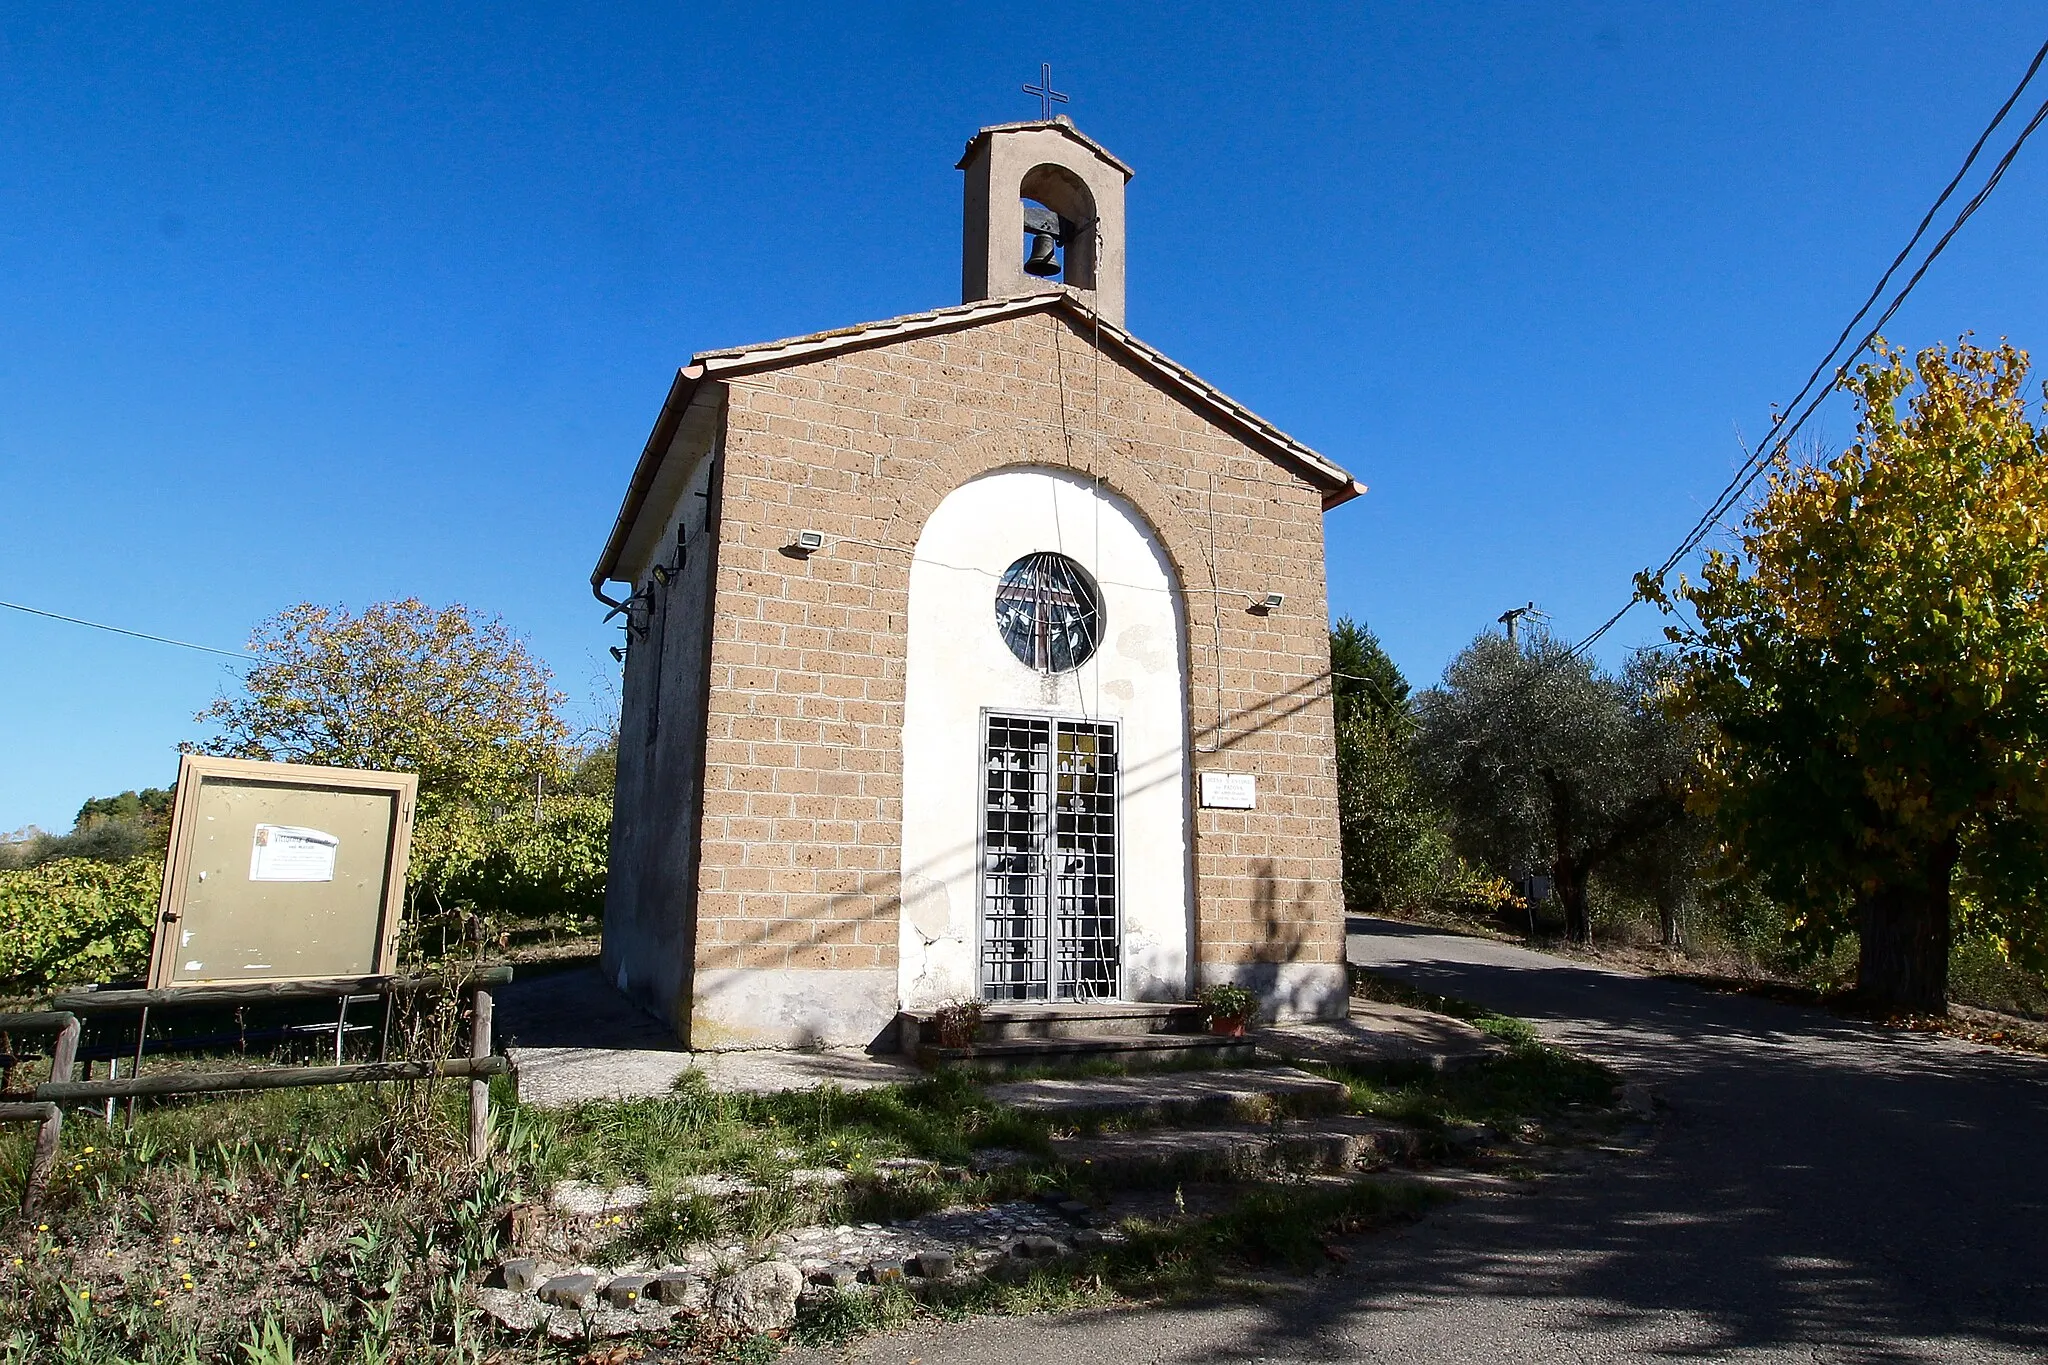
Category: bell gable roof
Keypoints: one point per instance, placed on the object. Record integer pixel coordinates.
(1336, 484)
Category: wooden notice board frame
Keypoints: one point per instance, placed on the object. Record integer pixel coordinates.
(303, 925)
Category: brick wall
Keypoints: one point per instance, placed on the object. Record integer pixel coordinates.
(802, 801)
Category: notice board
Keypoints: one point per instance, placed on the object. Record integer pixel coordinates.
(282, 872)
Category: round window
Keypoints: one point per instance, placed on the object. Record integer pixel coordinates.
(1049, 612)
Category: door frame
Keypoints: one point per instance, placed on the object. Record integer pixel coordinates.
(981, 850)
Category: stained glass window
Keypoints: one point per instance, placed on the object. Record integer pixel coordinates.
(1049, 612)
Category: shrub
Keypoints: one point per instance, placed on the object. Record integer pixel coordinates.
(1228, 1002)
(76, 920)
(112, 829)
(492, 865)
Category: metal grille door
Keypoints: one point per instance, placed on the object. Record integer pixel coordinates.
(1049, 870)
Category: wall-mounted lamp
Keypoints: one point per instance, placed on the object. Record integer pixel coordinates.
(1269, 603)
(808, 542)
(618, 654)
(664, 575)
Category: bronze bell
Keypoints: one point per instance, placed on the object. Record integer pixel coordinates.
(1042, 261)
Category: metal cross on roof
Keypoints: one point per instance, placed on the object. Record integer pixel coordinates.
(1047, 96)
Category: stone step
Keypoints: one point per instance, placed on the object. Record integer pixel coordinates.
(1064, 1019)
(1165, 1097)
(1337, 1143)
(1124, 1049)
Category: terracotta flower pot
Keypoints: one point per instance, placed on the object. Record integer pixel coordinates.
(1227, 1028)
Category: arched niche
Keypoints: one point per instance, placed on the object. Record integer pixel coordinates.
(959, 671)
(1066, 194)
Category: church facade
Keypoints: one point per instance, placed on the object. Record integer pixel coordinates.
(976, 653)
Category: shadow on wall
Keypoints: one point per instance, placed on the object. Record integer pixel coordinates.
(1280, 908)
(1289, 987)
(1285, 933)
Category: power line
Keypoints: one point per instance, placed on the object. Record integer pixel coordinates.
(1757, 464)
(1753, 467)
(1926, 219)
(123, 630)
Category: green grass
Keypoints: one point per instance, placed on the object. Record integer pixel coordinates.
(762, 1139)
(696, 1130)
(346, 1225)
(1530, 1082)
(350, 1225)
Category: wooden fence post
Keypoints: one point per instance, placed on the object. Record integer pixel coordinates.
(48, 1135)
(479, 1087)
(49, 1132)
(64, 1057)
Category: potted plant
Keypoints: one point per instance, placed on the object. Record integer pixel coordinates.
(1229, 1008)
(957, 1022)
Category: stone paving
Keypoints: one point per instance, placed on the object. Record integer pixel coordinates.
(572, 1038)
(1168, 1094)
(757, 1285)
(1378, 1033)
(1334, 1143)
(574, 1300)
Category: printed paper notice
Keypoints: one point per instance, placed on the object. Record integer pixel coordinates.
(287, 853)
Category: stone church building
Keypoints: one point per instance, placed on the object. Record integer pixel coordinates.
(977, 653)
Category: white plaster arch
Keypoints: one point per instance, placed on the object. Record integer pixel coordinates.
(957, 665)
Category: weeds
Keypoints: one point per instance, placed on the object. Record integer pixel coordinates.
(852, 1313)
(281, 1226)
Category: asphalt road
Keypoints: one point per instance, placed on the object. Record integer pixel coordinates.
(1817, 1190)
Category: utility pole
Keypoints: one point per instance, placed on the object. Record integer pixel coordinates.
(1512, 619)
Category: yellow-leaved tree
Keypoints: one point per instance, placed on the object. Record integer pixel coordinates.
(1874, 659)
(403, 687)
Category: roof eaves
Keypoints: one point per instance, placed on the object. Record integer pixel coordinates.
(1337, 483)
(680, 393)
(1214, 398)
(1058, 124)
(794, 350)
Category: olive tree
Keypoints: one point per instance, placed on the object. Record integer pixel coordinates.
(1670, 863)
(1546, 763)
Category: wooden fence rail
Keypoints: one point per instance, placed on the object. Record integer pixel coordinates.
(266, 992)
(269, 1078)
(60, 1089)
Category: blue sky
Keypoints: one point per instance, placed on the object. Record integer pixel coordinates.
(347, 303)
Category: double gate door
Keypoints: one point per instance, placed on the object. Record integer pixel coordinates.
(1049, 859)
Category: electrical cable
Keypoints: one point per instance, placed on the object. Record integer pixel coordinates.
(1918, 232)
(1753, 467)
(123, 630)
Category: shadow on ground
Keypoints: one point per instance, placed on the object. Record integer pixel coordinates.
(1818, 1189)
